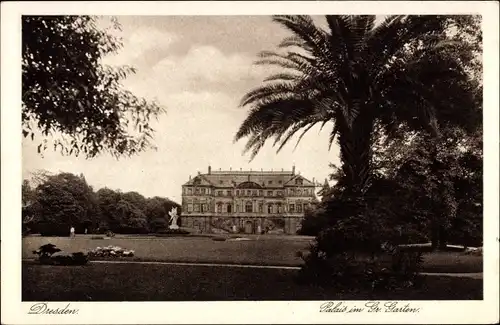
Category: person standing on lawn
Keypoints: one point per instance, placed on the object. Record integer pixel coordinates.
(72, 232)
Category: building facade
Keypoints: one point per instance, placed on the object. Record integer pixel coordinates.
(252, 202)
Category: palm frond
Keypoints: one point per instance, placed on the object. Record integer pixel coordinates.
(303, 27)
(282, 77)
(293, 40)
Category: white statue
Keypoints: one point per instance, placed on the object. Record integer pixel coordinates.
(173, 218)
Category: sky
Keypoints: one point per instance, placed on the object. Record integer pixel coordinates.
(198, 68)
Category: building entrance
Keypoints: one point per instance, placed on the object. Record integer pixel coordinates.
(248, 227)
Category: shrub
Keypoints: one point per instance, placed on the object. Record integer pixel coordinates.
(63, 258)
(158, 224)
(314, 221)
(358, 248)
(50, 254)
(132, 230)
(46, 250)
(173, 232)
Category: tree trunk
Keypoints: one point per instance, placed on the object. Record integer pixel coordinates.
(435, 235)
(443, 242)
(356, 155)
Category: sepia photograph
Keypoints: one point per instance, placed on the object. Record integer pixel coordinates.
(335, 159)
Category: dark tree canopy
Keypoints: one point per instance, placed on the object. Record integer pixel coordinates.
(55, 202)
(69, 93)
(354, 75)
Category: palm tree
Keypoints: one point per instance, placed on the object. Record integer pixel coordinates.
(357, 77)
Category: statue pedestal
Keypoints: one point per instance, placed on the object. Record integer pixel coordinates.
(173, 227)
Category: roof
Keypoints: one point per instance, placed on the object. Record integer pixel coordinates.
(244, 179)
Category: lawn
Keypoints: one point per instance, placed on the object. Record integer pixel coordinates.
(260, 250)
(263, 250)
(139, 282)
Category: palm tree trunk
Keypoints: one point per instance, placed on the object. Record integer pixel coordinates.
(356, 155)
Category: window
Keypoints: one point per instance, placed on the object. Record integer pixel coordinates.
(219, 193)
(237, 208)
(228, 193)
(204, 207)
(229, 208)
(249, 192)
(299, 208)
(298, 181)
(219, 207)
(197, 191)
(221, 182)
(254, 192)
(261, 192)
(279, 182)
(190, 208)
(203, 191)
(280, 208)
(261, 207)
(292, 208)
(270, 182)
(299, 192)
(190, 191)
(237, 192)
(248, 207)
(196, 207)
(269, 193)
(280, 193)
(269, 208)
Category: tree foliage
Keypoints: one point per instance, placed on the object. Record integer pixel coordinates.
(440, 180)
(409, 76)
(64, 200)
(68, 93)
(354, 75)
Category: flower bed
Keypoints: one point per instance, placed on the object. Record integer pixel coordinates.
(111, 251)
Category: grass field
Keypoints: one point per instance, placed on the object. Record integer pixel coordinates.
(138, 282)
(263, 250)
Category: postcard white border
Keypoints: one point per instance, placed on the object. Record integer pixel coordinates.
(15, 312)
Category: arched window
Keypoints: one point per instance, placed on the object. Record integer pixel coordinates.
(219, 207)
(229, 208)
(269, 208)
(248, 206)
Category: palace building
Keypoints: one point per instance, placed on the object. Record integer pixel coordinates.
(252, 202)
